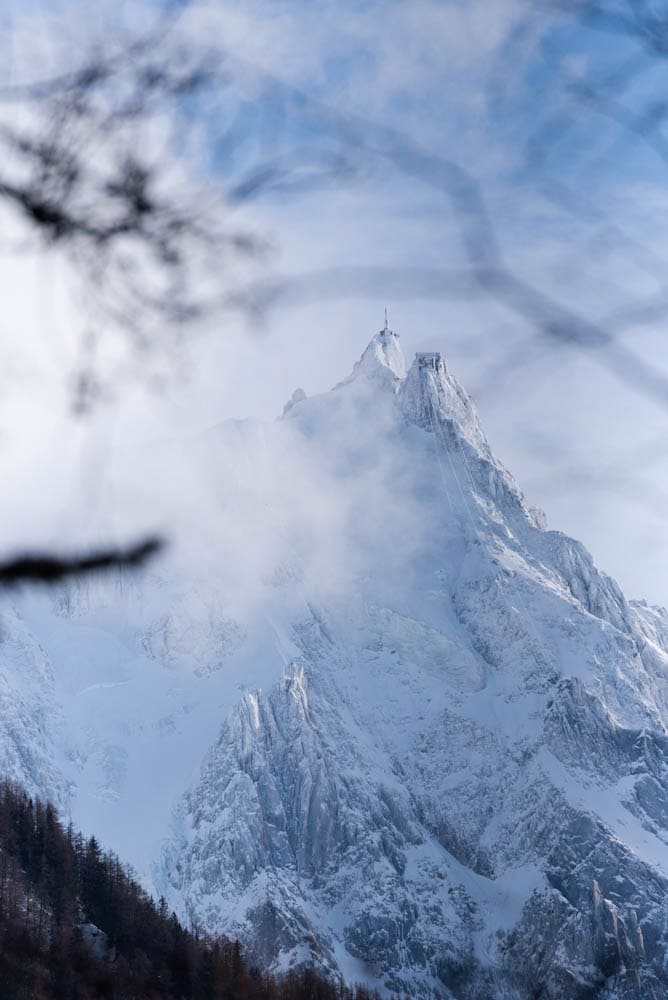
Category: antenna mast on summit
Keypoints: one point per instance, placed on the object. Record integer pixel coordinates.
(386, 327)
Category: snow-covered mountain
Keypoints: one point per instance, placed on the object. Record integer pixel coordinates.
(428, 749)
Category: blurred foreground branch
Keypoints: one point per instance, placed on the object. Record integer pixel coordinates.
(46, 568)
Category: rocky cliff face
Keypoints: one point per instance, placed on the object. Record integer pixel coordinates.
(441, 768)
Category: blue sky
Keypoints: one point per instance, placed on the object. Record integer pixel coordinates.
(487, 86)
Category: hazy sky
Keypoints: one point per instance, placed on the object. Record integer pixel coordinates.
(576, 197)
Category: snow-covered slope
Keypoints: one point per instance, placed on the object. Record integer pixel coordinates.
(429, 751)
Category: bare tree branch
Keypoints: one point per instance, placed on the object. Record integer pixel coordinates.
(42, 567)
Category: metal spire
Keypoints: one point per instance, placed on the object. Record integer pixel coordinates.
(386, 327)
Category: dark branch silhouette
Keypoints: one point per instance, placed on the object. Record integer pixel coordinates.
(42, 567)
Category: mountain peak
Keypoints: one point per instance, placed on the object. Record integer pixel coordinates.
(383, 359)
(411, 737)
